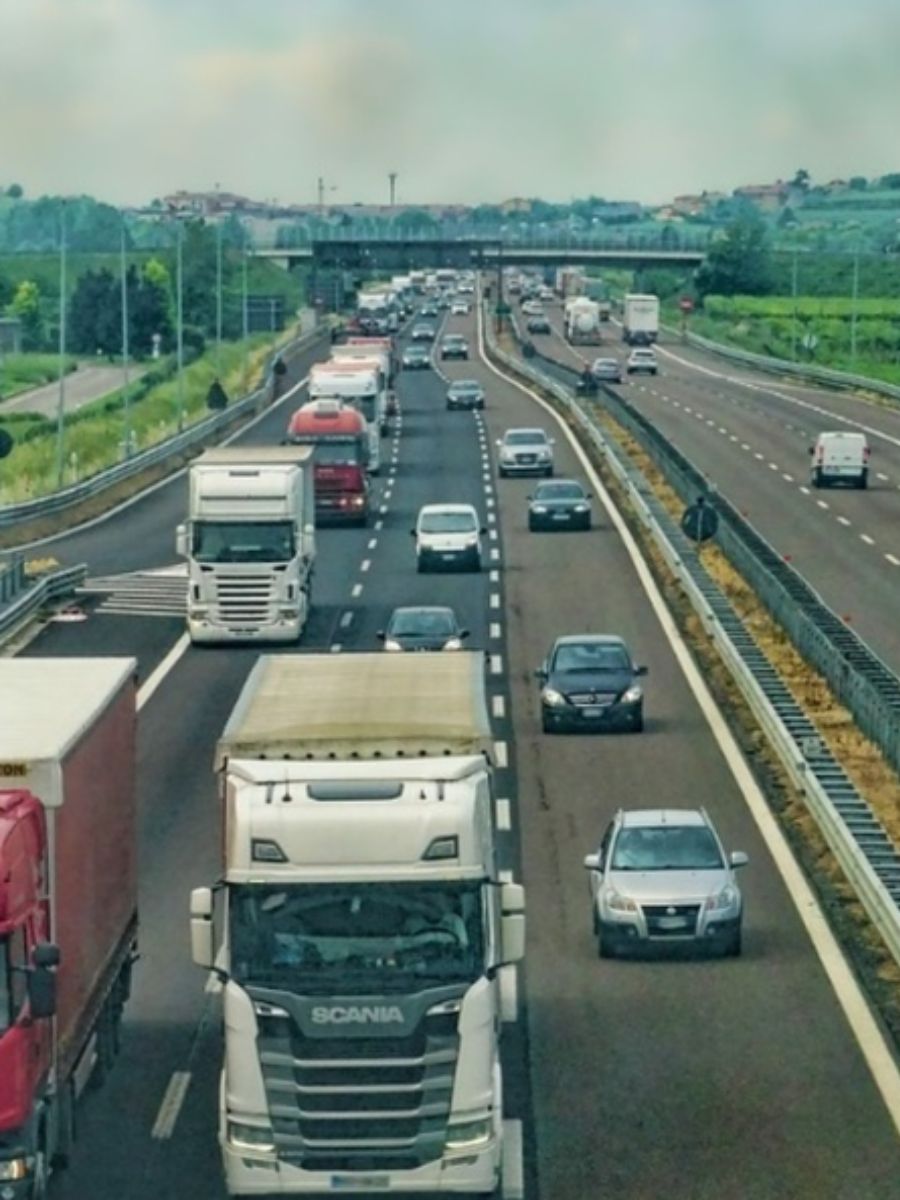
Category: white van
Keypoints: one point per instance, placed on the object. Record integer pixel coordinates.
(448, 535)
(840, 458)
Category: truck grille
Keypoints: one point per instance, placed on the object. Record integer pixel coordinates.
(243, 600)
(359, 1104)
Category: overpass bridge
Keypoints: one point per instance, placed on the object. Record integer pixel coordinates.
(399, 255)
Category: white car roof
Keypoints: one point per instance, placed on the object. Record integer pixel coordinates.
(427, 509)
(662, 816)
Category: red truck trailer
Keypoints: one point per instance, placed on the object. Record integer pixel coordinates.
(340, 442)
(68, 897)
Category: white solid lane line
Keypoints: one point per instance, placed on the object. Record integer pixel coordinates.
(867, 1031)
(161, 670)
(173, 1099)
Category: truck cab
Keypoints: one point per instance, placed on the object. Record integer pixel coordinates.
(369, 934)
(249, 542)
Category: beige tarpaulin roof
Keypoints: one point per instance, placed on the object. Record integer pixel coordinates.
(360, 705)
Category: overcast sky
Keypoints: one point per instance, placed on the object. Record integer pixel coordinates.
(468, 100)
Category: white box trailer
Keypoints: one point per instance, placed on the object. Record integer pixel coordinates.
(640, 319)
(365, 921)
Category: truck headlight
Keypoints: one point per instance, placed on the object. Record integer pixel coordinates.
(453, 644)
(289, 614)
(464, 1135)
(14, 1169)
(198, 613)
(390, 644)
(250, 1137)
(552, 697)
(633, 694)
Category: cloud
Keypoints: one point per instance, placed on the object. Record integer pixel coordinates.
(480, 100)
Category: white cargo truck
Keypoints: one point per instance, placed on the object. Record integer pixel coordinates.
(640, 319)
(366, 930)
(377, 353)
(582, 321)
(250, 543)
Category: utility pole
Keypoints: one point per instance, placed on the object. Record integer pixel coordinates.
(854, 304)
(392, 176)
(218, 299)
(794, 295)
(245, 315)
(179, 320)
(61, 397)
(123, 271)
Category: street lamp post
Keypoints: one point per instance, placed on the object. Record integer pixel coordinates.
(854, 304)
(123, 270)
(179, 322)
(61, 396)
(794, 266)
(218, 298)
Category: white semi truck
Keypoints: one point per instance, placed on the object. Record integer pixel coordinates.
(375, 352)
(582, 321)
(249, 542)
(640, 319)
(360, 385)
(368, 934)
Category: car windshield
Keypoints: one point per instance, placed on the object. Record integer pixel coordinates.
(605, 364)
(447, 522)
(465, 385)
(591, 656)
(419, 622)
(666, 848)
(416, 352)
(454, 341)
(525, 437)
(243, 541)
(354, 938)
(559, 491)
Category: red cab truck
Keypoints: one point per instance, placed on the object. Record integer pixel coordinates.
(340, 441)
(68, 897)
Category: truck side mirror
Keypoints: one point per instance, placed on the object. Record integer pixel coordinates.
(42, 992)
(181, 541)
(512, 927)
(202, 927)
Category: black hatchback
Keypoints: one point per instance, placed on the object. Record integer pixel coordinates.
(589, 682)
(559, 504)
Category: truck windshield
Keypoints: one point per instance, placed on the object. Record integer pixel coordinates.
(243, 541)
(365, 405)
(353, 938)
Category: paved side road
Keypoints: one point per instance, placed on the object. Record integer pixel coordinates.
(82, 387)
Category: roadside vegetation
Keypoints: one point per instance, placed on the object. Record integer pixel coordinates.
(21, 372)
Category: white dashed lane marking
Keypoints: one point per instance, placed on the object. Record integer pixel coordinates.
(356, 591)
(844, 520)
(864, 537)
(496, 630)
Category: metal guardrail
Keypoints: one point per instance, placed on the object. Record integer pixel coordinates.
(856, 838)
(35, 595)
(805, 371)
(12, 576)
(171, 447)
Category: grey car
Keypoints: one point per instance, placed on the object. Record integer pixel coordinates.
(606, 370)
(465, 394)
(525, 452)
(661, 878)
(416, 358)
(422, 333)
(559, 504)
(454, 345)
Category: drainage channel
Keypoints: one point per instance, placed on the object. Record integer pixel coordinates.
(858, 818)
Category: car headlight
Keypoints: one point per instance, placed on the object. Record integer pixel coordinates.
(633, 694)
(619, 903)
(551, 697)
(391, 644)
(14, 1169)
(453, 643)
(250, 1137)
(538, 508)
(580, 508)
(471, 539)
(466, 1134)
(543, 452)
(727, 898)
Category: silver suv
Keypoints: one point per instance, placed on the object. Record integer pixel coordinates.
(525, 452)
(661, 877)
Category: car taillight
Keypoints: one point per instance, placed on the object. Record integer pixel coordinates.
(866, 452)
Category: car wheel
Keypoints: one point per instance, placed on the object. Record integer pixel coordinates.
(863, 482)
(595, 922)
(547, 724)
(501, 472)
(548, 473)
(734, 944)
(420, 567)
(476, 563)
(637, 722)
(816, 479)
(605, 946)
(532, 525)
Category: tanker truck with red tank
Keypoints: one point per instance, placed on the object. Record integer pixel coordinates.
(68, 898)
(340, 441)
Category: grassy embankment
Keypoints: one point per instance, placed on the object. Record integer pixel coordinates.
(22, 372)
(93, 435)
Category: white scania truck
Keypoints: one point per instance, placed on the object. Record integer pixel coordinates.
(250, 543)
(367, 933)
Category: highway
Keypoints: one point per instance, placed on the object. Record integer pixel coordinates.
(750, 435)
(693, 1080)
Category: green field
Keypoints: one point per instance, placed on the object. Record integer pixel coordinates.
(94, 435)
(21, 372)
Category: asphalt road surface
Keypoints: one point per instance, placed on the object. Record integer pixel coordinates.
(693, 1080)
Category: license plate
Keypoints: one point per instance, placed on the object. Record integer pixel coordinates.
(560, 516)
(448, 557)
(672, 922)
(592, 711)
(360, 1182)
